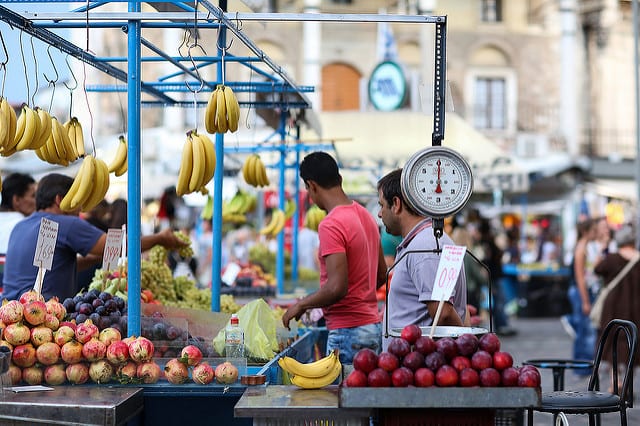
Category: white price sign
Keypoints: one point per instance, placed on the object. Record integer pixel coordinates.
(448, 271)
(46, 244)
(112, 249)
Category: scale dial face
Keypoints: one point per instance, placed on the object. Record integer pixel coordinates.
(437, 182)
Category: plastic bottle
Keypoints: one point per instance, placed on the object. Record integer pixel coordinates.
(234, 339)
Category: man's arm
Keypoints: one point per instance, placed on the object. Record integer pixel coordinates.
(448, 315)
(382, 268)
(331, 292)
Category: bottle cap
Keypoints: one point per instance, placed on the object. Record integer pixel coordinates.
(234, 319)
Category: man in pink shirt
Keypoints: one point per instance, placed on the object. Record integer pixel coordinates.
(352, 265)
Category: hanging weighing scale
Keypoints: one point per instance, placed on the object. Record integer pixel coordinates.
(437, 182)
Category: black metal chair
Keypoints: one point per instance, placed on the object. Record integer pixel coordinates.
(592, 401)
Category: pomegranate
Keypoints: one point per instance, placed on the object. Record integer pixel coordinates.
(71, 324)
(40, 335)
(141, 349)
(71, 352)
(94, 350)
(56, 308)
(63, 335)
(191, 355)
(86, 331)
(30, 295)
(226, 373)
(127, 371)
(109, 335)
(77, 373)
(118, 352)
(50, 321)
(32, 375)
(48, 353)
(176, 372)
(100, 371)
(203, 373)
(149, 372)
(15, 373)
(11, 312)
(24, 355)
(17, 334)
(34, 312)
(54, 374)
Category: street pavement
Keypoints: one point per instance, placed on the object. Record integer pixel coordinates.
(545, 338)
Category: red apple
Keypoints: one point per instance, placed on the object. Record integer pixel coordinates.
(423, 377)
(388, 361)
(489, 342)
(402, 377)
(446, 376)
(434, 361)
(365, 360)
(378, 378)
(527, 367)
(481, 360)
(469, 378)
(399, 347)
(410, 333)
(502, 360)
(490, 377)
(467, 344)
(529, 379)
(425, 345)
(447, 346)
(413, 360)
(509, 377)
(356, 379)
(460, 362)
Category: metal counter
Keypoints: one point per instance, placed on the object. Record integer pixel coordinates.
(72, 405)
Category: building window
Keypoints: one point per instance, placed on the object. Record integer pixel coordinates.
(491, 11)
(489, 110)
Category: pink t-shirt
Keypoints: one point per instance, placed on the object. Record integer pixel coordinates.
(351, 229)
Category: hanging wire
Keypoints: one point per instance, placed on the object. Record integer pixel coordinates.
(71, 89)
(52, 83)
(190, 48)
(124, 120)
(86, 98)
(4, 63)
(24, 65)
(35, 65)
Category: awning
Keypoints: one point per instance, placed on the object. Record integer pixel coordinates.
(382, 141)
(622, 189)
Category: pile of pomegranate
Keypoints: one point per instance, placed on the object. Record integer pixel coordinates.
(46, 349)
(416, 360)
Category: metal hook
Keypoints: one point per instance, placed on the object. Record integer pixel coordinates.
(35, 66)
(222, 48)
(196, 69)
(6, 53)
(71, 89)
(238, 22)
(51, 82)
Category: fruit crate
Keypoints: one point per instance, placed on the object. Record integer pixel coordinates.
(169, 336)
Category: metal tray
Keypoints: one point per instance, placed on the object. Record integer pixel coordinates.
(444, 331)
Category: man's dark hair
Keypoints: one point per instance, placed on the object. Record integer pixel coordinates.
(49, 187)
(14, 184)
(321, 168)
(389, 186)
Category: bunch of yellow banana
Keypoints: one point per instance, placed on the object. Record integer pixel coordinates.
(8, 125)
(275, 225)
(313, 375)
(76, 136)
(89, 186)
(313, 217)
(198, 164)
(235, 210)
(58, 148)
(119, 163)
(223, 111)
(254, 172)
(28, 132)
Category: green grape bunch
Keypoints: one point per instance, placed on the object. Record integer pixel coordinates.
(185, 251)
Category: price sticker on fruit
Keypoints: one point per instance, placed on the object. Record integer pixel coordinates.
(112, 249)
(46, 244)
(448, 271)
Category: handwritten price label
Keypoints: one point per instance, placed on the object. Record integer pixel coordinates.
(46, 244)
(112, 249)
(448, 271)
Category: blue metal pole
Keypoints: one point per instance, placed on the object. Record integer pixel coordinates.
(281, 200)
(296, 217)
(134, 79)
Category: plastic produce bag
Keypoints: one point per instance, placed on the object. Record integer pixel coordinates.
(259, 325)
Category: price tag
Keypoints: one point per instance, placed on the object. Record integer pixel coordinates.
(46, 244)
(112, 249)
(448, 271)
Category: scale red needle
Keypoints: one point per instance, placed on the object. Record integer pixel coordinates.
(438, 188)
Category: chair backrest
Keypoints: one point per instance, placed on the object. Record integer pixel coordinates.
(612, 339)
